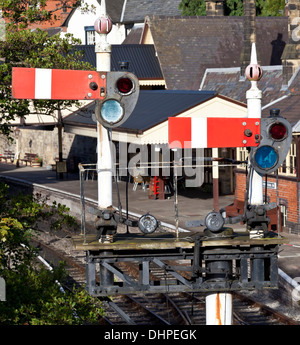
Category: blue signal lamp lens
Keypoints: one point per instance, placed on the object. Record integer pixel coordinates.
(266, 157)
(112, 111)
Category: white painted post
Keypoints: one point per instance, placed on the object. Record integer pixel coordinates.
(254, 96)
(104, 154)
(219, 309)
(219, 305)
(215, 174)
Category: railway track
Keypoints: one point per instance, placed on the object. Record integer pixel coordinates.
(159, 309)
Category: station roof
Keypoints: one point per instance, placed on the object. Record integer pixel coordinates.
(153, 107)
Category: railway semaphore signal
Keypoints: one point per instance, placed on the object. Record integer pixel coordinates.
(122, 94)
(276, 133)
(117, 92)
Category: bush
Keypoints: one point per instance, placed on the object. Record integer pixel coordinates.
(32, 293)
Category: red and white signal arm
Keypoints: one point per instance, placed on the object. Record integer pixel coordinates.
(186, 132)
(57, 84)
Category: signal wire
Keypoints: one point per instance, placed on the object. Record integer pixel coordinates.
(109, 130)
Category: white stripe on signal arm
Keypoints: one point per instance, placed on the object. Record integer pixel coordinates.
(43, 81)
(199, 132)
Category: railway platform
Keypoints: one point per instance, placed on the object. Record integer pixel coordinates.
(191, 206)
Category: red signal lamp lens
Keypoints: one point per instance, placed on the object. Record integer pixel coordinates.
(278, 131)
(125, 85)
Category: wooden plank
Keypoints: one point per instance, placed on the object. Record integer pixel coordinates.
(137, 242)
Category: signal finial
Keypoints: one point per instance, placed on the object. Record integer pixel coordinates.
(253, 71)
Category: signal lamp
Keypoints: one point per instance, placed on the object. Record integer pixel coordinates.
(125, 86)
(122, 93)
(148, 223)
(276, 139)
(266, 157)
(278, 131)
(111, 111)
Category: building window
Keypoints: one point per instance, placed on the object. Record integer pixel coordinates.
(283, 213)
(242, 155)
(90, 35)
(289, 165)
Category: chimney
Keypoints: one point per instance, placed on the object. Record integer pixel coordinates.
(249, 34)
(291, 54)
(214, 7)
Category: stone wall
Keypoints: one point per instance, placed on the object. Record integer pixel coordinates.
(76, 148)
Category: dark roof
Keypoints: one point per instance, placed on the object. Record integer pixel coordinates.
(142, 59)
(114, 9)
(134, 36)
(187, 46)
(53, 31)
(228, 83)
(153, 107)
(136, 10)
(89, 53)
(289, 108)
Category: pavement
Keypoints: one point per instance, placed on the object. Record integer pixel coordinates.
(191, 205)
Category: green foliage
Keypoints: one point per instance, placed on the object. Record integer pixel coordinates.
(33, 297)
(270, 8)
(20, 14)
(192, 7)
(26, 48)
(32, 294)
(234, 7)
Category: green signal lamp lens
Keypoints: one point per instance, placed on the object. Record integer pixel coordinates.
(112, 111)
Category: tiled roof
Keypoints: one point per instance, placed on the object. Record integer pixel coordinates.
(136, 10)
(187, 46)
(289, 108)
(134, 36)
(114, 9)
(227, 82)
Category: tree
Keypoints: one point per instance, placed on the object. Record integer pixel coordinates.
(32, 48)
(234, 7)
(192, 7)
(19, 14)
(271, 8)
